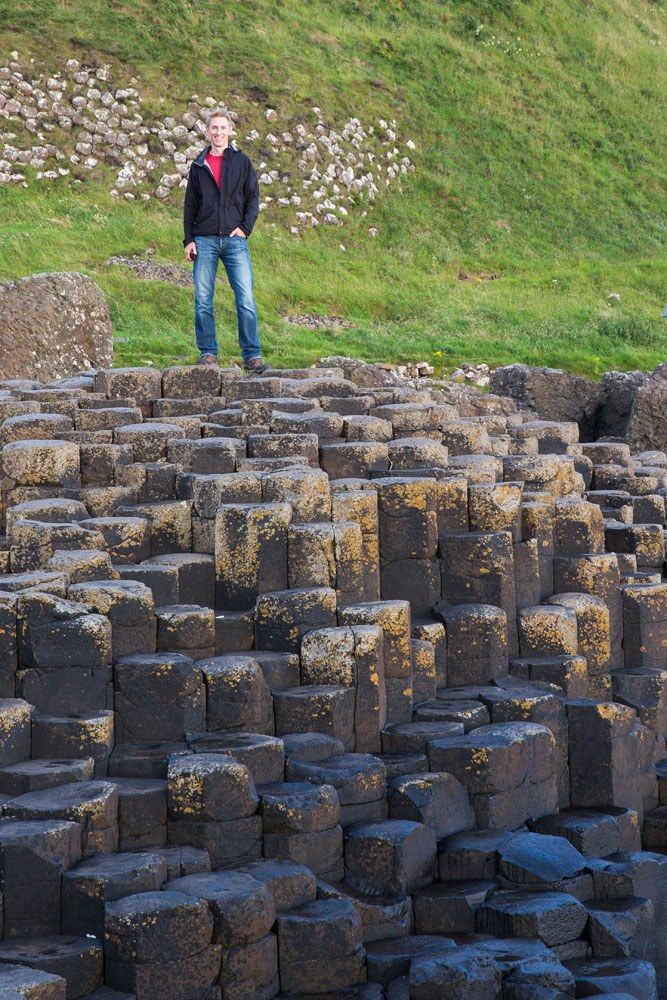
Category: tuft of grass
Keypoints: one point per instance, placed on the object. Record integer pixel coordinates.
(540, 158)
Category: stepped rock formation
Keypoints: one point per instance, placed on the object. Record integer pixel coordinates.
(315, 688)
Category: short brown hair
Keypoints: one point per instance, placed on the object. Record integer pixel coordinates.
(219, 113)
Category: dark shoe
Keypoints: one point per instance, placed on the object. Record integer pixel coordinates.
(207, 359)
(256, 366)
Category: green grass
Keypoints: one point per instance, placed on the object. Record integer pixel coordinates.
(540, 157)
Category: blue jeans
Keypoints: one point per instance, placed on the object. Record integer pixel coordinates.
(234, 254)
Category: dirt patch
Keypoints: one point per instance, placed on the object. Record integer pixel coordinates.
(314, 322)
(481, 276)
(150, 270)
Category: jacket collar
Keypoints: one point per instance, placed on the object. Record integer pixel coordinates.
(201, 159)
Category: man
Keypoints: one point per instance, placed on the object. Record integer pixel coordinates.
(221, 207)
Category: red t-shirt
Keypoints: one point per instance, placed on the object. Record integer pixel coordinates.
(215, 163)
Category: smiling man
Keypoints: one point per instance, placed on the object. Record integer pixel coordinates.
(221, 208)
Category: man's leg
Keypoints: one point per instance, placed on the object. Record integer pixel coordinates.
(206, 266)
(236, 258)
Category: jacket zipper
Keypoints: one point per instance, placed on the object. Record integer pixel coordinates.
(219, 189)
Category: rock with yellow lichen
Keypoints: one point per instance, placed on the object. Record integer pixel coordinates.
(611, 757)
(508, 769)
(410, 642)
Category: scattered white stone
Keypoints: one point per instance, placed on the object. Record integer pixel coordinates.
(341, 164)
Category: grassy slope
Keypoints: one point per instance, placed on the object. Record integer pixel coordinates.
(539, 155)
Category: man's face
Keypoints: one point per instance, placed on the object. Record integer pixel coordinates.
(219, 130)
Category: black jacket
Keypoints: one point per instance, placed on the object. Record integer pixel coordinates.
(213, 211)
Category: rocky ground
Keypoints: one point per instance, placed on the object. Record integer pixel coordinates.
(327, 683)
(150, 270)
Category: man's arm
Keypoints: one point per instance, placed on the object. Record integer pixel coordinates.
(190, 208)
(251, 202)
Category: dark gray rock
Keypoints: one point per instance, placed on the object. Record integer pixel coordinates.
(553, 917)
(552, 393)
(647, 427)
(618, 393)
(78, 960)
(387, 960)
(533, 861)
(463, 974)
(618, 975)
